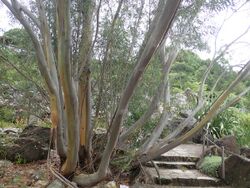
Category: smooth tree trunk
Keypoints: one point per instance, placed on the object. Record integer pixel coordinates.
(163, 147)
(167, 61)
(159, 32)
(84, 85)
(68, 86)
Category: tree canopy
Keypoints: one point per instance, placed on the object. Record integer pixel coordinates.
(128, 67)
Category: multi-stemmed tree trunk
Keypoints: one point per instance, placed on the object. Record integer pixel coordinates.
(69, 98)
(69, 87)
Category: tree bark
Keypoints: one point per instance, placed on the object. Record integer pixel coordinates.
(70, 97)
(159, 149)
(163, 24)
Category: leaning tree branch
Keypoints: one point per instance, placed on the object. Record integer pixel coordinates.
(14, 7)
(234, 100)
(30, 15)
(212, 112)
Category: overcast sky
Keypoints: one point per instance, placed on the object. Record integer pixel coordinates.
(232, 28)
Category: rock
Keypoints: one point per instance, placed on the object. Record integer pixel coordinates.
(198, 137)
(5, 164)
(32, 145)
(229, 143)
(110, 184)
(10, 130)
(40, 134)
(237, 171)
(72, 183)
(178, 120)
(124, 186)
(56, 184)
(37, 175)
(33, 120)
(26, 150)
(245, 152)
(41, 183)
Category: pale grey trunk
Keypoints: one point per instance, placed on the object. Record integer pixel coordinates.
(157, 150)
(233, 101)
(162, 26)
(167, 62)
(166, 116)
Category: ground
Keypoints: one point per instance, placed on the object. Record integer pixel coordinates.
(33, 175)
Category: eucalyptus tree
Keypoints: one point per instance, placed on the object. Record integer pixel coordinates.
(69, 96)
(187, 32)
(66, 44)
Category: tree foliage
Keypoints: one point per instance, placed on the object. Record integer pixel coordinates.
(122, 66)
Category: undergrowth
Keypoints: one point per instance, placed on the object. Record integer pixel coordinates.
(210, 165)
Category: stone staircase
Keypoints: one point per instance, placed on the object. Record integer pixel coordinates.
(177, 168)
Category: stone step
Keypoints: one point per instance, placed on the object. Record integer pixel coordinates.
(137, 185)
(182, 177)
(170, 158)
(172, 164)
(183, 152)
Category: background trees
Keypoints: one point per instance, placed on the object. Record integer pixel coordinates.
(123, 66)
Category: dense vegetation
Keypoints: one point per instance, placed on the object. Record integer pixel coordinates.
(135, 74)
(23, 93)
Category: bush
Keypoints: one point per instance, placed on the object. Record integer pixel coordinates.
(232, 122)
(243, 135)
(6, 114)
(210, 165)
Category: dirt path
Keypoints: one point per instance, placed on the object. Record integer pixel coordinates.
(23, 175)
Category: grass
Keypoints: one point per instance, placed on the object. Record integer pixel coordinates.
(6, 124)
(210, 165)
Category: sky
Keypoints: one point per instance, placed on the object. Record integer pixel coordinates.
(235, 24)
(232, 28)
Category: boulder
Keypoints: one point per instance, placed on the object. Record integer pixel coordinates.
(237, 171)
(245, 152)
(32, 145)
(56, 184)
(229, 143)
(25, 150)
(40, 134)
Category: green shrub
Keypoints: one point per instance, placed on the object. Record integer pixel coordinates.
(4, 124)
(232, 122)
(6, 114)
(210, 165)
(19, 159)
(243, 133)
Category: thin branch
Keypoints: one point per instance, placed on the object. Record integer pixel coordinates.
(234, 100)
(30, 15)
(212, 112)
(25, 76)
(217, 81)
(167, 62)
(224, 21)
(215, 59)
(15, 9)
(155, 39)
(97, 24)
